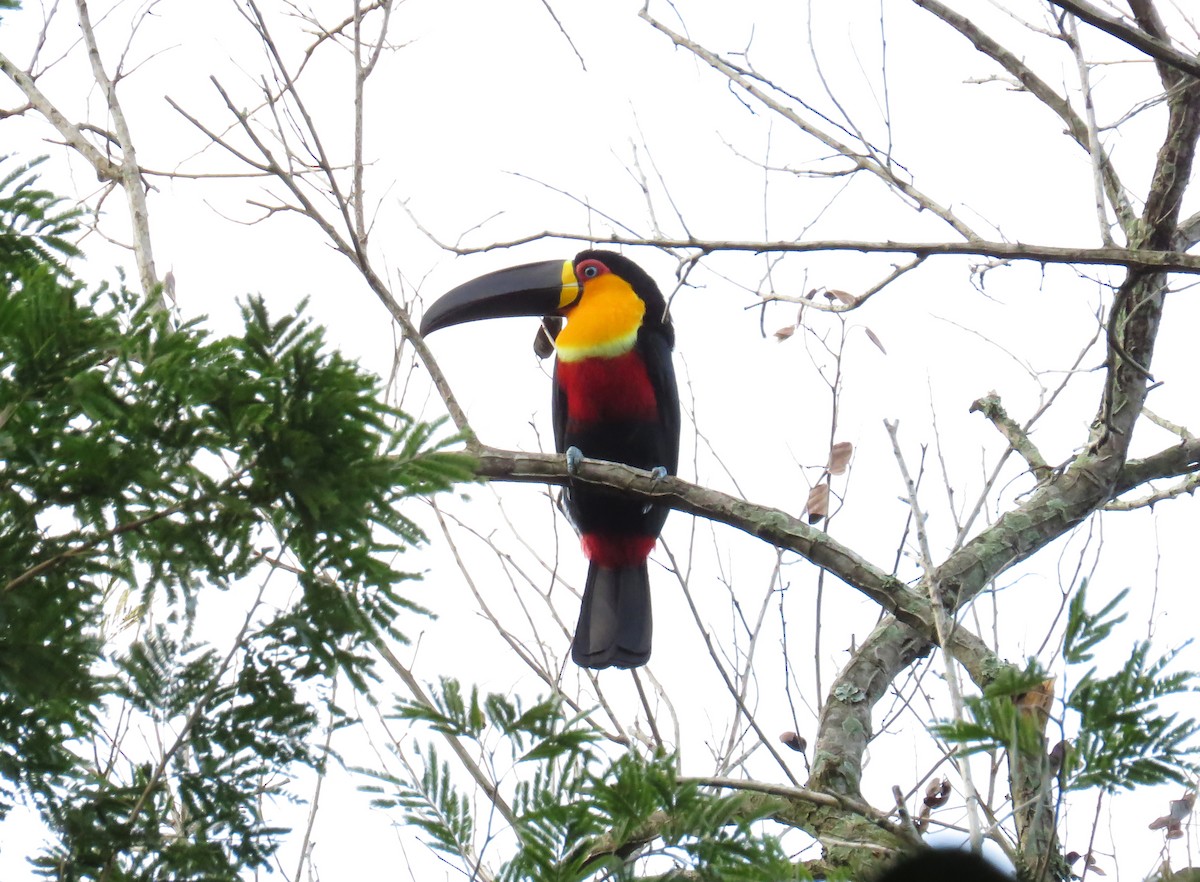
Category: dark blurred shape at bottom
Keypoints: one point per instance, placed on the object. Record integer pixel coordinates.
(943, 865)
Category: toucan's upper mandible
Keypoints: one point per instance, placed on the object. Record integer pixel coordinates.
(540, 289)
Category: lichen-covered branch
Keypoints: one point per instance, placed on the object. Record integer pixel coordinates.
(773, 526)
(991, 407)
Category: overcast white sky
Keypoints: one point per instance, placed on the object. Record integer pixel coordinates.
(486, 99)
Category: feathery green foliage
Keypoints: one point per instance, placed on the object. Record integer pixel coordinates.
(578, 812)
(150, 471)
(995, 719)
(1122, 740)
(33, 229)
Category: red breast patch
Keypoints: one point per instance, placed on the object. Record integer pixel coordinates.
(615, 388)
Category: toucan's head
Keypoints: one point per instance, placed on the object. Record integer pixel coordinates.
(605, 297)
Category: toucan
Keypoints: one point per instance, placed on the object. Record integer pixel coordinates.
(615, 399)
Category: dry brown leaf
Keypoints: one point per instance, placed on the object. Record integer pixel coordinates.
(543, 343)
(785, 332)
(922, 820)
(1178, 810)
(1057, 754)
(818, 503)
(937, 794)
(871, 336)
(794, 741)
(839, 457)
(842, 296)
(1037, 700)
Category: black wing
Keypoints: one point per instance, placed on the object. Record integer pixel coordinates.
(558, 413)
(655, 345)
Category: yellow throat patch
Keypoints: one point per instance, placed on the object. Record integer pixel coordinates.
(603, 323)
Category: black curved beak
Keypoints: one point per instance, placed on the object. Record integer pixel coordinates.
(539, 289)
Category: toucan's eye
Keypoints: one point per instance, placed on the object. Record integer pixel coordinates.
(589, 269)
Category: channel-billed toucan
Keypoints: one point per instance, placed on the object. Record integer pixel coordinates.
(614, 399)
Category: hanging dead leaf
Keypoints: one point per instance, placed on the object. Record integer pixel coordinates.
(1093, 866)
(922, 820)
(543, 343)
(818, 503)
(937, 793)
(785, 332)
(1181, 808)
(841, 296)
(1056, 756)
(1178, 810)
(1037, 701)
(794, 741)
(839, 457)
(871, 336)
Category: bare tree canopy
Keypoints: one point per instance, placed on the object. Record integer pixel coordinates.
(931, 269)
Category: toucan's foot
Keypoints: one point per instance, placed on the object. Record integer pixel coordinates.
(574, 460)
(657, 473)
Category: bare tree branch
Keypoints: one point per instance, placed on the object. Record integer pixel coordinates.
(1041, 90)
(129, 173)
(860, 159)
(105, 168)
(1093, 140)
(1163, 260)
(1153, 44)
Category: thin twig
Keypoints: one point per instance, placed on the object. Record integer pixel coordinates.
(962, 763)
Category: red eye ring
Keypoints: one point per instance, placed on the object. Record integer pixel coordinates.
(590, 269)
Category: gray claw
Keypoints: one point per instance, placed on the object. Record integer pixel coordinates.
(574, 459)
(657, 473)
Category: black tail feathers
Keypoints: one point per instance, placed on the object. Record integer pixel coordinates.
(615, 625)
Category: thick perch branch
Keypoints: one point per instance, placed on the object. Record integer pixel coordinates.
(769, 524)
(1037, 522)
